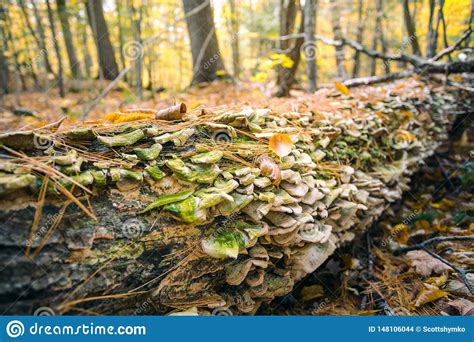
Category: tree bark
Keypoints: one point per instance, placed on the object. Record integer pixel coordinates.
(336, 27)
(411, 29)
(38, 34)
(290, 47)
(234, 36)
(137, 16)
(3, 60)
(107, 62)
(74, 65)
(359, 38)
(431, 31)
(56, 49)
(82, 23)
(310, 48)
(208, 64)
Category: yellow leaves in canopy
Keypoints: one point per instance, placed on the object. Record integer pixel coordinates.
(280, 144)
(342, 88)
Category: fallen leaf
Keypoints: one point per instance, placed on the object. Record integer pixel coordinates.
(429, 295)
(425, 264)
(311, 292)
(342, 88)
(460, 306)
(281, 144)
(438, 281)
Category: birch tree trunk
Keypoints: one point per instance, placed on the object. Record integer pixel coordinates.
(56, 49)
(336, 27)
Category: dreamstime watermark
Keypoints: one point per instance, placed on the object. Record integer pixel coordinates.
(44, 311)
(221, 135)
(310, 50)
(42, 142)
(400, 227)
(403, 47)
(50, 219)
(43, 51)
(221, 312)
(132, 228)
(320, 306)
(142, 307)
(133, 50)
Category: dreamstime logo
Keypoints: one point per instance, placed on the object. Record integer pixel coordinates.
(222, 312)
(15, 329)
(42, 142)
(221, 136)
(132, 228)
(310, 50)
(133, 50)
(44, 311)
(308, 232)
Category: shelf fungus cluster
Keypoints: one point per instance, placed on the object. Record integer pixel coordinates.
(255, 218)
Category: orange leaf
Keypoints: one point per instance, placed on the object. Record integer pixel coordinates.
(342, 88)
(429, 295)
(281, 144)
(127, 117)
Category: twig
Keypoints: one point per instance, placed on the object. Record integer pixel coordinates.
(423, 246)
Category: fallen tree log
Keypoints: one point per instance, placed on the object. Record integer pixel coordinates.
(223, 211)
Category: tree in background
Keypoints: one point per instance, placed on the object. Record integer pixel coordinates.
(291, 47)
(359, 38)
(411, 29)
(233, 29)
(336, 27)
(207, 59)
(310, 44)
(107, 63)
(3, 61)
(37, 34)
(74, 65)
(56, 49)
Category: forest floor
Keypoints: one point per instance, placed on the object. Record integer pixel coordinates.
(367, 277)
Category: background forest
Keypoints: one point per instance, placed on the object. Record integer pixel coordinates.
(146, 44)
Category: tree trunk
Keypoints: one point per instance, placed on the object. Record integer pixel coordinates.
(39, 38)
(411, 29)
(74, 65)
(359, 39)
(108, 65)
(310, 47)
(56, 49)
(290, 47)
(82, 22)
(3, 60)
(431, 32)
(234, 36)
(120, 33)
(137, 16)
(380, 29)
(336, 27)
(208, 64)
